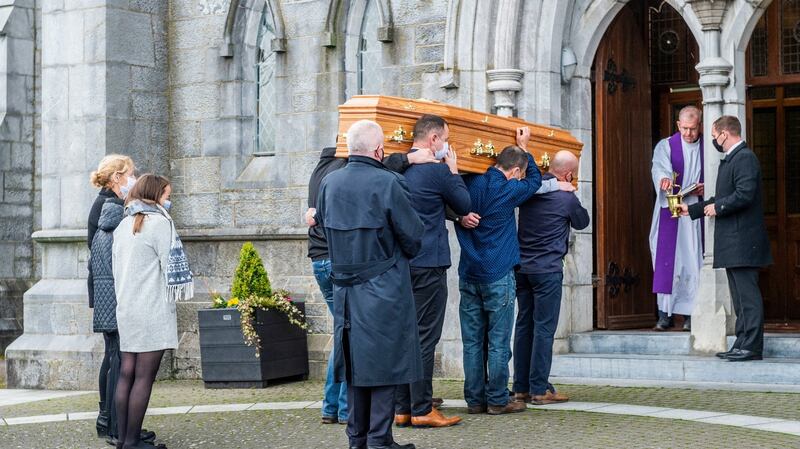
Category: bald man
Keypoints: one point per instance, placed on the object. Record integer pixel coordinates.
(372, 231)
(544, 224)
(676, 243)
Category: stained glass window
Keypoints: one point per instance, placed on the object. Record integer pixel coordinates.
(793, 160)
(265, 77)
(790, 36)
(370, 52)
(764, 143)
(670, 50)
(759, 54)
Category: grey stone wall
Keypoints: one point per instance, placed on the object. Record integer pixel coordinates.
(17, 210)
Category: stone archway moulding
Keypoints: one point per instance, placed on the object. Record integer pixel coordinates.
(240, 12)
(385, 31)
(598, 17)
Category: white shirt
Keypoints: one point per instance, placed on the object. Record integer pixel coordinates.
(735, 146)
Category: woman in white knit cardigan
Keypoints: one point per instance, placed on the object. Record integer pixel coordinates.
(150, 274)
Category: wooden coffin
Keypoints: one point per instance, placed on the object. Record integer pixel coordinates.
(477, 137)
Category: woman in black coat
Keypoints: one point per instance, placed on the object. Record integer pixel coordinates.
(115, 177)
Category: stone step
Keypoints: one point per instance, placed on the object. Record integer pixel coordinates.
(668, 343)
(676, 368)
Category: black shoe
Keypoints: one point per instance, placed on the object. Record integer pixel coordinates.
(358, 447)
(663, 324)
(148, 436)
(687, 324)
(724, 355)
(394, 446)
(102, 421)
(330, 420)
(744, 355)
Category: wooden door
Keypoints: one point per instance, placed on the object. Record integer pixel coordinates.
(773, 132)
(774, 135)
(623, 192)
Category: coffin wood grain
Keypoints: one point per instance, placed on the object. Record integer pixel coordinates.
(466, 127)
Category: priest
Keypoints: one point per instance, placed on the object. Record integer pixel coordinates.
(676, 244)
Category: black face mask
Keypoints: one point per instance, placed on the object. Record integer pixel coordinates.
(718, 146)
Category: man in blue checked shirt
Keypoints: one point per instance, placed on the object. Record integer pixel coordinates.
(489, 255)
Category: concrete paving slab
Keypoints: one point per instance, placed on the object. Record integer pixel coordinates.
(739, 420)
(20, 396)
(281, 405)
(625, 409)
(790, 427)
(686, 415)
(81, 416)
(573, 406)
(169, 410)
(36, 419)
(216, 408)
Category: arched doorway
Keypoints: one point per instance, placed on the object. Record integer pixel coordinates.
(773, 124)
(643, 73)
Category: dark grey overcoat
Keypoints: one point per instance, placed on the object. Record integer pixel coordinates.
(740, 235)
(372, 231)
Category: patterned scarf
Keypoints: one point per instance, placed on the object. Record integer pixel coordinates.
(180, 285)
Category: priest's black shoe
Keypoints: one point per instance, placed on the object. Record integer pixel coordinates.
(394, 446)
(358, 447)
(744, 355)
(724, 355)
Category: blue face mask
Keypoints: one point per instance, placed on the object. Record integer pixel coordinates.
(441, 154)
(167, 204)
(126, 189)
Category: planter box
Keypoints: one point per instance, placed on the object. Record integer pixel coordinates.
(227, 362)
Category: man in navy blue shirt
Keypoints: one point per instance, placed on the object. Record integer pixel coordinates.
(489, 254)
(544, 224)
(433, 186)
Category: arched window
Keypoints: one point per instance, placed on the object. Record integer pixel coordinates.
(370, 52)
(265, 85)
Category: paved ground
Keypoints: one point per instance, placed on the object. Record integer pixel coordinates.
(534, 428)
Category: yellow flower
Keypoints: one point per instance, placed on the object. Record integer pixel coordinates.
(233, 302)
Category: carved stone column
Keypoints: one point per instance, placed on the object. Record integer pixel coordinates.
(504, 80)
(712, 317)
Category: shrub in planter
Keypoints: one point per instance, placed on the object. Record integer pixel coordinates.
(255, 336)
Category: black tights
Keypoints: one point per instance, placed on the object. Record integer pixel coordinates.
(136, 377)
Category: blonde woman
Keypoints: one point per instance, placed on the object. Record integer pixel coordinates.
(150, 274)
(115, 178)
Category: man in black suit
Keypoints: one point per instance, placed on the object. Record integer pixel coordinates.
(741, 244)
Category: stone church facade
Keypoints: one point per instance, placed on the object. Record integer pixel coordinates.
(233, 100)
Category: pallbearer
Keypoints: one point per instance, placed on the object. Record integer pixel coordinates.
(676, 244)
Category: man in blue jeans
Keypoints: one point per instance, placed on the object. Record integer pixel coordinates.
(544, 223)
(334, 402)
(489, 254)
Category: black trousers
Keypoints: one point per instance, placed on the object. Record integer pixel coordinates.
(430, 297)
(749, 308)
(371, 413)
(111, 340)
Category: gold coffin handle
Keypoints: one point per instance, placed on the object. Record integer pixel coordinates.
(545, 162)
(399, 135)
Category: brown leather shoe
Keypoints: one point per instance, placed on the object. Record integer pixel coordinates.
(402, 420)
(522, 397)
(549, 397)
(437, 402)
(434, 419)
(476, 409)
(511, 407)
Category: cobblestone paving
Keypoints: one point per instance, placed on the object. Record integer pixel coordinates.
(301, 429)
(173, 393)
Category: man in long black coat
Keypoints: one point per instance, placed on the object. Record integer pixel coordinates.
(741, 243)
(372, 231)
